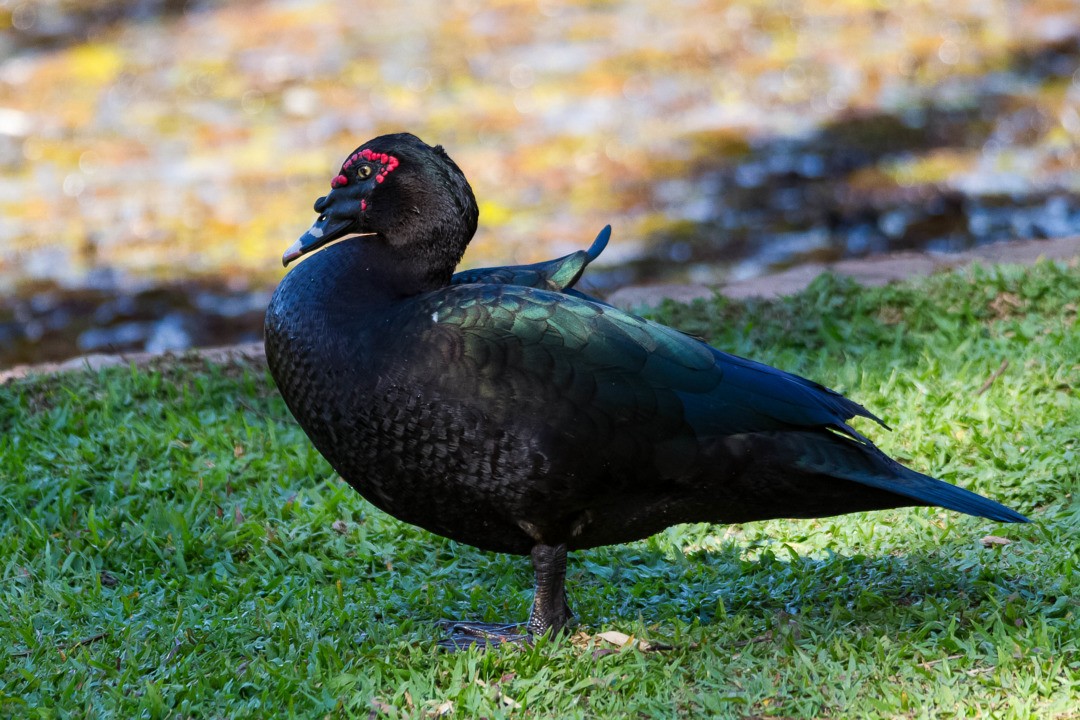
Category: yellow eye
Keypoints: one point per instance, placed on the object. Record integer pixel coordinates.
(363, 172)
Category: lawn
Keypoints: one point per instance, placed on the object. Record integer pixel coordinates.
(172, 546)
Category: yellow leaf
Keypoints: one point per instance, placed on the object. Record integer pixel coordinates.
(96, 63)
(494, 214)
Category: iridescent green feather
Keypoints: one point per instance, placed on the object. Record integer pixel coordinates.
(558, 275)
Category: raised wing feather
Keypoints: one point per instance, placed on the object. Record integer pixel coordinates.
(558, 275)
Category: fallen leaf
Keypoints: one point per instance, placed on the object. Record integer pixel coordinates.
(445, 709)
(580, 639)
(381, 707)
(340, 526)
(992, 540)
(615, 637)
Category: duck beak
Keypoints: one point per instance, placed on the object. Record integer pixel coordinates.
(334, 222)
(325, 229)
(295, 250)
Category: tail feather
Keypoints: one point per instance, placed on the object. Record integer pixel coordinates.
(867, 465)
(917, 486)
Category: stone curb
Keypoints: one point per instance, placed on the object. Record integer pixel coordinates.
(873, 271)
(97, 361)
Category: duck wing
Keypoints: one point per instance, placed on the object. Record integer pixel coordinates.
(558, 275)
(518, 330)
(603, 378)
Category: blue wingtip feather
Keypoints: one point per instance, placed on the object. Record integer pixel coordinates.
(955, 498)
(952, 497)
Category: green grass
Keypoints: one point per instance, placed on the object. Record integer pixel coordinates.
(172, 546)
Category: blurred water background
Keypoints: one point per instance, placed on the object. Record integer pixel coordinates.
(156, 156)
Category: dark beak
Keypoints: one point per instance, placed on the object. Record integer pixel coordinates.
(333, 223)
(320, 233)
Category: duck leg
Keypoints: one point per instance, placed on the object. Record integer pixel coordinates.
(550, 610)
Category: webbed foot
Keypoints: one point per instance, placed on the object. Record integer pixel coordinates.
(550, 611)
(463, 635)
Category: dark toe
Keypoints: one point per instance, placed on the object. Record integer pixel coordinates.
(463, 635)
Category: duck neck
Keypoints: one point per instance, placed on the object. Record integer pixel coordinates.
(400, 271)
(418, 252)
(368, 272)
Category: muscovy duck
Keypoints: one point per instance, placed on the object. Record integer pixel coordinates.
(502, 408)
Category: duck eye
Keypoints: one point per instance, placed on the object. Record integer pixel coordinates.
(363, 172)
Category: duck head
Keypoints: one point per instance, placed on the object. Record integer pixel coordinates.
(401, 192)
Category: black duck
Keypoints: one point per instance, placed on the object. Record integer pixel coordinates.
(504, 409)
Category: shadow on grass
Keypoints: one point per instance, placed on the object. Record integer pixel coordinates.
(648, 590)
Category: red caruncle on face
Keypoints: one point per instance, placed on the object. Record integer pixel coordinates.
(387, 164)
